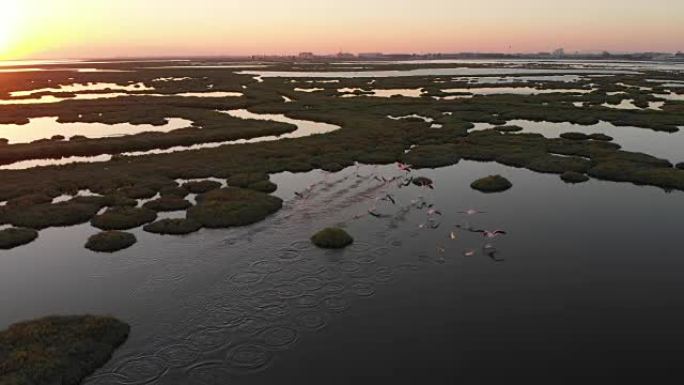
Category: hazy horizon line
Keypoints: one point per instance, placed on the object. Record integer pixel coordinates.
(326, 55)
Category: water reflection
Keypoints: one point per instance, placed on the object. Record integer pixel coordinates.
(95, 96)
(245, 305)
(514, 90)
(84, 88)
(382, 93)
(427, 72)
(45, 128)
(304, 128)
(660, 144)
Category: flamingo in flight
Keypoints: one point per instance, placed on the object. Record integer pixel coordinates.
(434, 212)
(389, 198)
(491, 234)
(471, 212)
(404, 167)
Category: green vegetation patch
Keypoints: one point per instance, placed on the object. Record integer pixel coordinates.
(431, 156)
(178, 226)
(110, 241)
(200, 187)
(123, 218)
(58, 350)
(265, 186)
(574, 136)
(508, 128)
(492, 184)
(15, 237)
(332, 238)
(601, 137)
(244, 180)
(174, 191)
(51, 215)
(574, 177)
(167, 203)
(233, 206)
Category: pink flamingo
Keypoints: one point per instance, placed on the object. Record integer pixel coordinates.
(471, 212)
(404, 167)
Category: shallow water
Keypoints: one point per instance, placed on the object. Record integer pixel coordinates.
(86, 96)
(514, 90)
(84, 88)
(516, 79)
(45, 128)
(250, 305)
(665, 145)
(385, 93)
(304, 128)
(426, 72)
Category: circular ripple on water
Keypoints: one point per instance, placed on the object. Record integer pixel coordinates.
(360, 247)
(394, 242)
(331, 273)
(179, 355)
(365, 259)
(311, 321)
(350, 267)
(142, 369)
(274, 312)
(408, 267)
(106, 379)
(363, 289)
(279, 337)
(221, 316)
(335, 303)
(306, 300)
(208, 373)
(366, 271)
(246, 279)
(266, 267)
(249, 356)
(289, 291)
(301, 245)
(383, 274)
(380, 251)
(209, 338)
(334, 287)
(264, 298)
(308, 266)
(289, 255)
(310, 283)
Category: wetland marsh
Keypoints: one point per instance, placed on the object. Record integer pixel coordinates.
(487, 213)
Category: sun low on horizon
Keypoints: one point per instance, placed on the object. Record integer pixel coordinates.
(83, 29)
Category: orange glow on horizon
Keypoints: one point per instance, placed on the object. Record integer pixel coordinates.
(87, 29)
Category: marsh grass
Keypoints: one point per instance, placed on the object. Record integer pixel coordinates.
(15, 237)
(123, 218)
(492, 184)
(229, 207)
(178, 226)
(332, 238)
(58, 350)
(110, 241)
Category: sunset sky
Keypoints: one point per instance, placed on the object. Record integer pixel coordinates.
(99, 28)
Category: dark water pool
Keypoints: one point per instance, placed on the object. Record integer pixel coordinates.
(586, 287)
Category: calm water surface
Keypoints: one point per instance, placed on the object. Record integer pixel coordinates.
(586, 284)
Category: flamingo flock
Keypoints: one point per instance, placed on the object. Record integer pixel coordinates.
(433, 215)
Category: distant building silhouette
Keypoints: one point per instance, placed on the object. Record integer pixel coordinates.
(560, 52)
(306, 55)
